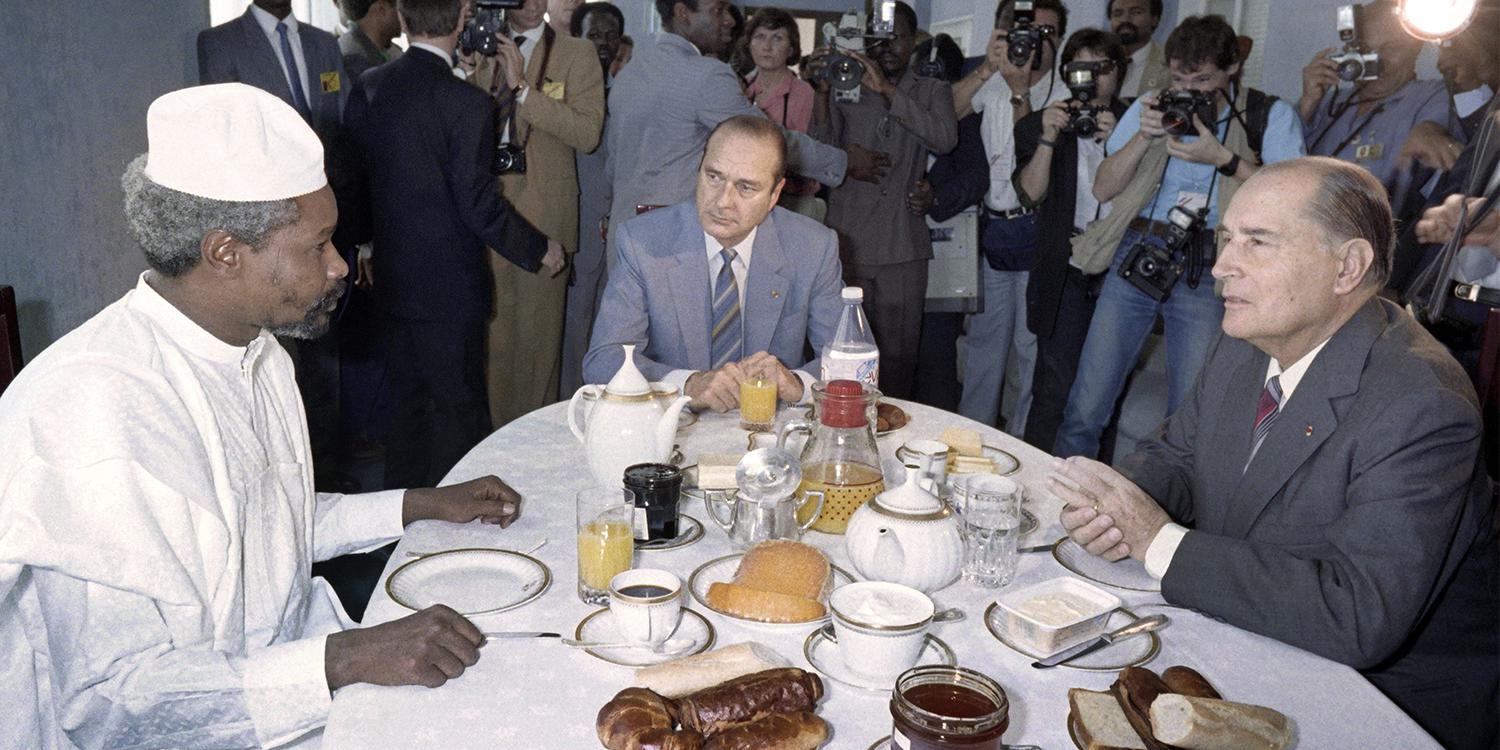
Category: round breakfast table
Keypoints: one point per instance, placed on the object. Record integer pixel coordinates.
(536, 693)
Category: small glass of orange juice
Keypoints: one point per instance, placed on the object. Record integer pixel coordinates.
(758, 403)
(606, 541)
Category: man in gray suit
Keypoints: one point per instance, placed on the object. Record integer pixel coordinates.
(252, 49)
(700, 285)
(1342, 510)
(675, 90)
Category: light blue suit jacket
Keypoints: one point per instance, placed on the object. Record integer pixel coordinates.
(238, 52)
(658, 294)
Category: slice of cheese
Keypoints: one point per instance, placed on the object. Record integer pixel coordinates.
(716, 470)
(963, 442)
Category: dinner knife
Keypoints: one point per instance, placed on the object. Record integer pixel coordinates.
(1143, 625)
(522, 634)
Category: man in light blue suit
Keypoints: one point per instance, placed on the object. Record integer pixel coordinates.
(251, 49)
(726, 287)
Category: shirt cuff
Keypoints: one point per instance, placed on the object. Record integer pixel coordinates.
(356, 523)
(807, 382)
(1161, 550)
(678, 379)
(286, 689)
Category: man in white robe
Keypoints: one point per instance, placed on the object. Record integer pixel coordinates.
(157, 513)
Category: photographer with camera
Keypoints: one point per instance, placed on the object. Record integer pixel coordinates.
(1058, 151)
(1022, 51)
(549, 90)
(1367, 121)
(1135, 22)
(1175, 160)
(886, 247)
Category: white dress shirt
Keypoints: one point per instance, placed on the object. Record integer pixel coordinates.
(1130, 85)
(268, 25)
(1086, 208)
(157, 525)
(998, 129)
(1164, 546)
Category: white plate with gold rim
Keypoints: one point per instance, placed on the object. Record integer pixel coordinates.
(722, 570)
(1126, 652)
(600, 626)
(1129, 573)
(470, 581)
(823, 654)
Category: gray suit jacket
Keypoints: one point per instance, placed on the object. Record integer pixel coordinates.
(662, 107)
(1362, 531)
(238, 51)
(657, 296)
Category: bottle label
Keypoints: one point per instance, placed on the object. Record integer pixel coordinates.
(864, 368)
(899, 741)
(639, 525)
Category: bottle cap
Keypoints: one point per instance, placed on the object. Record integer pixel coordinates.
(852, 294)
(844, 404)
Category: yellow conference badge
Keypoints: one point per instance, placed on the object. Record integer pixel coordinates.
(330, 81)
(554, 89)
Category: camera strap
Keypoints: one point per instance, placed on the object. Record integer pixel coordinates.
(1333, 119)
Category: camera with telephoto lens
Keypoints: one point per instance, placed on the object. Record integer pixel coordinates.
(1356, 62)
(510, 159)
(1024, 40)
(478, 34)
(1082, 79)
(1177, 108)
(1154, 270)
(851, 34)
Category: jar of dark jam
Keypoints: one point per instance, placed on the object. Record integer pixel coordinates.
(938, 707)
(655, 490)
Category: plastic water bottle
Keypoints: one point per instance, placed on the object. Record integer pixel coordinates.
(852, 355)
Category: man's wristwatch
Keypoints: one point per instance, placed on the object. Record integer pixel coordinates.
(1017, 100)
(1231, 166)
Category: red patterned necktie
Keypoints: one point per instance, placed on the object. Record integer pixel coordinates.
(1265, 415)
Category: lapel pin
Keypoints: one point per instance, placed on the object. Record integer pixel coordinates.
(1308, 431)
(775, 295)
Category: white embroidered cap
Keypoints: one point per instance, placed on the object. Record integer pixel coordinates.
(232, 142)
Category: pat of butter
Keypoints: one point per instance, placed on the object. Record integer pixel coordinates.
(1056, 609)
(716, 470)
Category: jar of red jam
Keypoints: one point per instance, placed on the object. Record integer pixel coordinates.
(938, 707)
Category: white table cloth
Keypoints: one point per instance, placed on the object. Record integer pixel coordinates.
(535, 693)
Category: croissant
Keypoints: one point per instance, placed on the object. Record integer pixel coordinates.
(801, 730)
(638, 719)
(749, 698)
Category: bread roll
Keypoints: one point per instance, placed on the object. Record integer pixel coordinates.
(689, 674)
(782, 566)
(749, 698)
(801, 730)
(1195, 723)
(1186, 681)
(638, 719)
(764, 606)
(1100, 722)
(1135, 689)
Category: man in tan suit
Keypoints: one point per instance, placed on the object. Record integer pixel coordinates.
(559, 108)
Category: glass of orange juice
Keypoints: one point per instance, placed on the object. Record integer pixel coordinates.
(606, 541)
(758, 402)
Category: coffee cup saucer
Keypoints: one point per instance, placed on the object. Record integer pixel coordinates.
(689, 530)
(823, 654)
(599, 625)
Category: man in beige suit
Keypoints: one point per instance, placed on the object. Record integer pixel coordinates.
(559, 108)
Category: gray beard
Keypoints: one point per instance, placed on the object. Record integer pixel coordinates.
(319, 317)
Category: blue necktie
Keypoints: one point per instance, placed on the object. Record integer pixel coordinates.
(727, 335)
(299, 98)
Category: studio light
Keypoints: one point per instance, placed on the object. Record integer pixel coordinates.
(1436, 20)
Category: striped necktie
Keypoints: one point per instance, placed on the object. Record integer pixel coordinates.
(299, 97)
(1265, 415)
(728, 338)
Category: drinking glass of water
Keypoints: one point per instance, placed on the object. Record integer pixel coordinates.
(991, 525)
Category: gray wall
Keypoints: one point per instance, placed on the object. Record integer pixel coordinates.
(73, 96)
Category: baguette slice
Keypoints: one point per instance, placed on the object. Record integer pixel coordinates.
(1207, 724)
(1187, 681)
(679, 677)
(763, 606)
(1135, 690)
(1101, 722)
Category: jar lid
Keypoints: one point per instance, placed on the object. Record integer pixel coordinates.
(844, 404)
(652, 476)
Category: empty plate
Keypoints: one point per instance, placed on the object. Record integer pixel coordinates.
(471, 581)
(1129, 573)
(600, 626)
(1128, 652)
(823, 655)
(722, 570)
(689, 530)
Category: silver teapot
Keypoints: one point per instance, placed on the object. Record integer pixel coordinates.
(764, 505)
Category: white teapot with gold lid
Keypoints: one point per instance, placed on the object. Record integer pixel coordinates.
(627, 423)
(906, 535)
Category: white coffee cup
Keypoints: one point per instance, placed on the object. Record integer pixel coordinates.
(931, 456)
(646, 604)
(881, 627)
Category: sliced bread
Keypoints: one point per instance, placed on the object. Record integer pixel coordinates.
(1101, 723)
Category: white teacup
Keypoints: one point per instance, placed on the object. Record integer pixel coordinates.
(646, 604)
(931, 456)
(881, 627)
